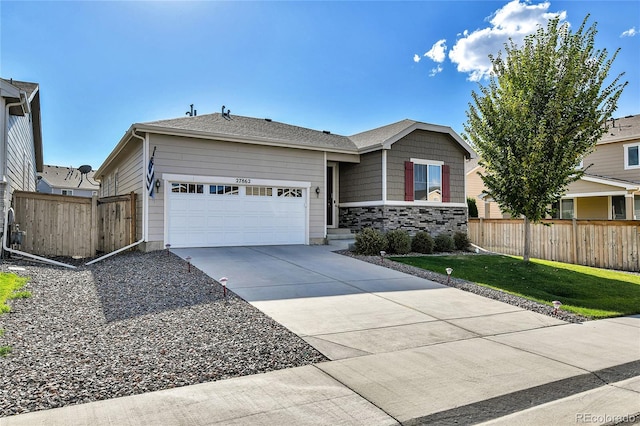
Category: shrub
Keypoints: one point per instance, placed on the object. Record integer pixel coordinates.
(398, 242)
(443, 243)
(422, 243)
(370, 242)
(472, 206)
(461, 240)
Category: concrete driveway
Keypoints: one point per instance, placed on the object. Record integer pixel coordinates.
(402, 350)
(419, 350)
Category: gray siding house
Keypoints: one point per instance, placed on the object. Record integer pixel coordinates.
(222, 180)
(21, 151)
(67, 181)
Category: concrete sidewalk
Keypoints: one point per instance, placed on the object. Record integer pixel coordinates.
(402, 349)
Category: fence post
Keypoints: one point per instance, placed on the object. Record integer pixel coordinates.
(574, 234)
(94, 225)
(481, 233)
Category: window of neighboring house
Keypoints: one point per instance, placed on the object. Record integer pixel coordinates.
(427, 179)
(632, 156)
(618, 207)
(566, 209)
(67, 192)
(636, 207)
(563, 209)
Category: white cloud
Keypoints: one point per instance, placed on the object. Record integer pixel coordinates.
(416, 58)
(515, 20)
(435, 70)
(437, 51)
(631, 32)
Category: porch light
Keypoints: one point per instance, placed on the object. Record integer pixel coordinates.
(449, 271)
(317, 191)
(223, 281)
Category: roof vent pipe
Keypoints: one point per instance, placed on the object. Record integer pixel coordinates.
(326, 132)
(267, 119)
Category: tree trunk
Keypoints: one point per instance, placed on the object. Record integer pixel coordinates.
(527, 239)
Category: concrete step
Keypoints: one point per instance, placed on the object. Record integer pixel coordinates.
(339, 231)
(340, 237)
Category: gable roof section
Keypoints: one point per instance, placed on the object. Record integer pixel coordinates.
(247, 129)
(385, 136)
(67, 178)
(272, 133)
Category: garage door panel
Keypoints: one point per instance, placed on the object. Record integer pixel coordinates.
(209, 220)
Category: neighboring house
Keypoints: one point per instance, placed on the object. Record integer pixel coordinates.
(221, 180)
(21, 151)
(67, 181)
(610, 187)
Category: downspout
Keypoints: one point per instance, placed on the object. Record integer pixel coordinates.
(145, 203)
(5, 136)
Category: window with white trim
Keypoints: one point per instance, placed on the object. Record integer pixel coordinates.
(259, 191)
(223, 190)
(289, 192)
(632, 156)
(67, 192)
(427, 180)
(563, 209)
(187, 188)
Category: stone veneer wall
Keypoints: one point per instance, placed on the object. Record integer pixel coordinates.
(434, 220)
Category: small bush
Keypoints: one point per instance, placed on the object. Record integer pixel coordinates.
(5, 350)
(443, 243)
(422, 243)
(370, 242)
(399, 242)
(461, 241)
(472, 206)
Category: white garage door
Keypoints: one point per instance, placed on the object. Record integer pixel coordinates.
(215, 215)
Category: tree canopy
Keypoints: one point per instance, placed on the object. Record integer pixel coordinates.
(544, 108)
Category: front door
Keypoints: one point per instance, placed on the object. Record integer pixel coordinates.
(331, 199)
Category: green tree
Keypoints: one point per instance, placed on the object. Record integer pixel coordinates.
(544, 108)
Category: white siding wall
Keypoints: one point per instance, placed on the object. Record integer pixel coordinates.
(21, 157)
(130, 171)
(179, 155)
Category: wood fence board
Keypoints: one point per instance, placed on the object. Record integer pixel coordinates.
(60, 225)
(603, 244)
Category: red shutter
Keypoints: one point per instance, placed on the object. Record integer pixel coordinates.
(446, 189)
(408, 181)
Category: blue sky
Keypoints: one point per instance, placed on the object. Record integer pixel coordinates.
(346, 67)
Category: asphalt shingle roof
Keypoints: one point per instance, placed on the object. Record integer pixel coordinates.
(67, 178)
(622, 128)
(256, 128)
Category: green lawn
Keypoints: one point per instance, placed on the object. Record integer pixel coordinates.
(9, 286)
(591, 292)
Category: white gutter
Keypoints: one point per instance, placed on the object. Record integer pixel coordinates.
(145, 201)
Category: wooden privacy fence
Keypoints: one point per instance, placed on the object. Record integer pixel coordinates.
(611, 244)
(61, 225)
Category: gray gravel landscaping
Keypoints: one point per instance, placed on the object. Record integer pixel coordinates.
(134, 323)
